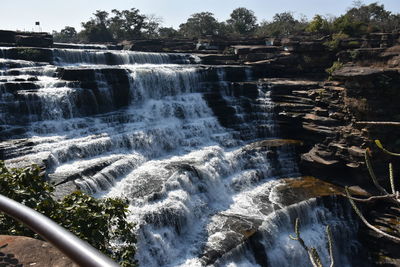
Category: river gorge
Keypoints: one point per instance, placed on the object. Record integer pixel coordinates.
(207, 154)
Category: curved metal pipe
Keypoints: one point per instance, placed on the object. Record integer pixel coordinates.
(74, 248)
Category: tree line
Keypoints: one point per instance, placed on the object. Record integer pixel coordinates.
(130, 24)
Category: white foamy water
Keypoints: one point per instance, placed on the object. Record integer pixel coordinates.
(179, 141)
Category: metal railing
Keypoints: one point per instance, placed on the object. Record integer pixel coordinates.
(74, 248)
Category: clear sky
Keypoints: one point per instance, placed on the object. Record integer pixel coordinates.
(55, 14)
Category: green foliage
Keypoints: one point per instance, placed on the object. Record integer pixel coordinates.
(121, 25)
(346, 25)
(283, 24)
(131, 24)
(96, 29)
(334, 43)
(128, 24)
(66, 35)
(336, 66)
(319, 25)
(170, 32)
(200, 25)
(229, 51)
(151, 26)
(362, 19)
(100, 222)
(243, 21)
(354, 54)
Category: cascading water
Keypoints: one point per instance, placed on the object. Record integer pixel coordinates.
(272, 246)
(182, 142)
(107, 57)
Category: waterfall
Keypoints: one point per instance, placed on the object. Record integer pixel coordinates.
(104, 57)
(81, 46)
(190, 146)
(3, 52)
(273, 247)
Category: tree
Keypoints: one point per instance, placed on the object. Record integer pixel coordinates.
(346, 25)
(318, 25)
(96, 29)
(168, 32)
(200, 25)
(283, 24)
(243, 21)
(152, 26)
(66, 35)
(127, 24)
(100, 222)
(363, 19)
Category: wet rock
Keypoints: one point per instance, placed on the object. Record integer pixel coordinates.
(30, 54)
(217, 59)
(294, 190)
(273, 143)
(385, 217)
(233, 230)
(246, 49)
(320, 120)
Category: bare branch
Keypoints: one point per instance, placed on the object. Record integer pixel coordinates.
(330, 245)
(379, 144)
(391, 177)
(314, 258)
(353, 204)
(312, 252)
(388, 123)
(296, 230)
(388, 196)
(372, 173)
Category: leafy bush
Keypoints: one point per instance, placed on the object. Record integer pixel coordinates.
(100, 222)
(336, 65)
(334, 43)
(319, 25)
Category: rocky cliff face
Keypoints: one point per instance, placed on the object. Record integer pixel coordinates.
(337, 117)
